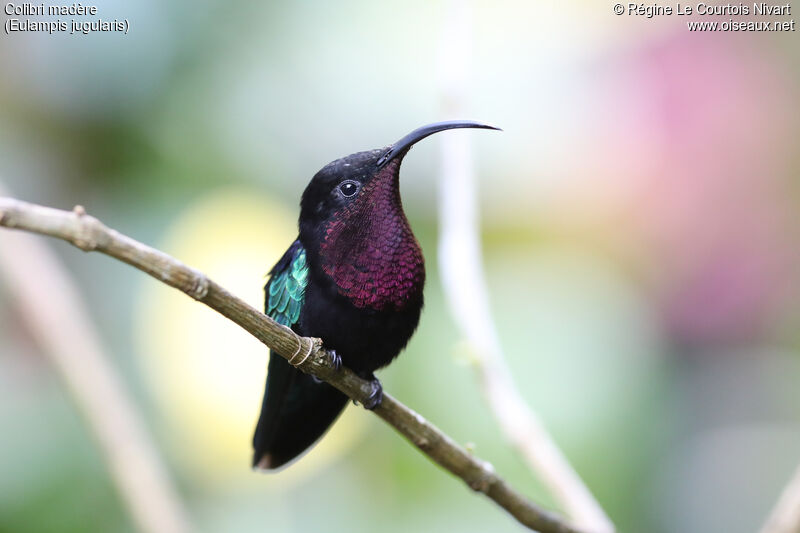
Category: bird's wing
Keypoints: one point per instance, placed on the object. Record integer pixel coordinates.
(296, 409)
(285, 290)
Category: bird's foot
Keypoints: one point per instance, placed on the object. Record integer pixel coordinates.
(336, 360)
(376, 396)
(336, 363)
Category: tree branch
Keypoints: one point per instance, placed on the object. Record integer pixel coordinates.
(72, 345)
(460, 265)
(307, 354)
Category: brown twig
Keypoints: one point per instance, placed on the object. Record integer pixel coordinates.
(460, 265)
(89, 234)
(54, 310)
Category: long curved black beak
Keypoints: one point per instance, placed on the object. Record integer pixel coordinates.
(403, 145)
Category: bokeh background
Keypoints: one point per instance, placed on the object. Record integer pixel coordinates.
(639, 224)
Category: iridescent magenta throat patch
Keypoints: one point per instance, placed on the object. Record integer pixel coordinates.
(369, 250)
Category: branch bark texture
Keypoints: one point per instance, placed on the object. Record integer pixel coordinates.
(70, 341)
(307, 354)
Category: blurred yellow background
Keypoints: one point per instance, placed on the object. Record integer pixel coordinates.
(639, 219)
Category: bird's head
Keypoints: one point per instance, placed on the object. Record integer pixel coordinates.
(353, 226)
(358, 179)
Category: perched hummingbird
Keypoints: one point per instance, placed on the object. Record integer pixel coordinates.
(353, 278)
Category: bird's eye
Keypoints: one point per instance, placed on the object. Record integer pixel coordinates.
(349, 188)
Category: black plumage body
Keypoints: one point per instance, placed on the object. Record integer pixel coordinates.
(365, 339)
(354, 278)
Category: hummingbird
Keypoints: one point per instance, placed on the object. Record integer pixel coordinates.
(354, 277)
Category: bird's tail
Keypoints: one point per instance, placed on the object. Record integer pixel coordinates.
(296, 411)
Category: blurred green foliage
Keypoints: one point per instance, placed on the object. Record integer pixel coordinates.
(639, 216)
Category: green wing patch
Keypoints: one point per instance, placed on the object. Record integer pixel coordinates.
(286, 291)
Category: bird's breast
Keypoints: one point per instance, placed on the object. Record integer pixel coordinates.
(377, 264)
(369, 251)
(381, 274)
